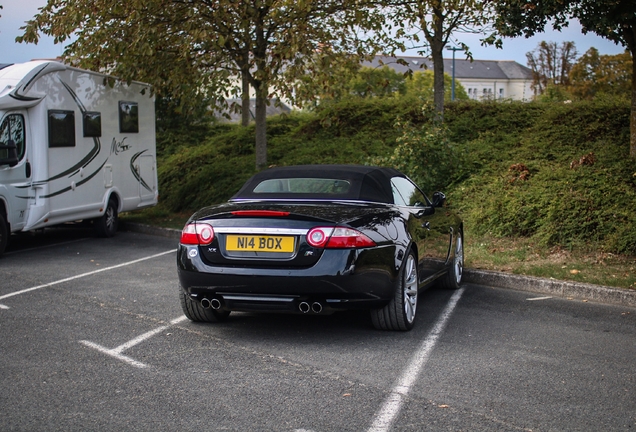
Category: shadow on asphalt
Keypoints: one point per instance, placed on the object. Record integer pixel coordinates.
(48, 236)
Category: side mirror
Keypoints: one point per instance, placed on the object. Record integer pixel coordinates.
(10, 157)
(439, 199)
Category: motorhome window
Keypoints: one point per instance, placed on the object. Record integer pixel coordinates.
(12, 132)
(128, 117)
(61, 128)
(92, 124)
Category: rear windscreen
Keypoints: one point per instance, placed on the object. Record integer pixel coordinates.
(304, 186)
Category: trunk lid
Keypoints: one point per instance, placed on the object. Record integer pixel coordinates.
(267, 234)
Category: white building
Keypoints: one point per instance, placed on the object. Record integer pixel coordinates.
(482, 79)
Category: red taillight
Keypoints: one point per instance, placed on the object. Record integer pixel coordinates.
(338, 238)
(197, 234)
(260, 213)
(318, 237)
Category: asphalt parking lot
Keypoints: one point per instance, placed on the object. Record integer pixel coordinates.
(92, 337)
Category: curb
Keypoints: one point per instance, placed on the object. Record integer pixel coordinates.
(150, 229)
(552, 287)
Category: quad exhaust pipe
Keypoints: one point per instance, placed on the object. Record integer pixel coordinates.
(305, 307)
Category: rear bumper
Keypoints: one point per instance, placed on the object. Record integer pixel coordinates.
(340, 280)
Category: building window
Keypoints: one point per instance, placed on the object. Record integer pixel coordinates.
(501, 93)
(61, 128)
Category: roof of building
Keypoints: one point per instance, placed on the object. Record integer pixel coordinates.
(466, 69)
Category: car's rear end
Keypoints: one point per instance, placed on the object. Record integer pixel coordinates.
(302, 257)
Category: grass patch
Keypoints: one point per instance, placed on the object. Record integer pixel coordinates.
(526, 257)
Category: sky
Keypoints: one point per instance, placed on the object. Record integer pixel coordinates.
(16, 12)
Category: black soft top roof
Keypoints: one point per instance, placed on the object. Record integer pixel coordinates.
(368, 183)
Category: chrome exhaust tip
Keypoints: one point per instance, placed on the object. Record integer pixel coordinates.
(304, 307)
(205, 303)
(316, 307)
(215, 304)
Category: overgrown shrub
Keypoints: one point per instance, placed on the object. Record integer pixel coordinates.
(510, 169)
(425, 153)
(579, 186)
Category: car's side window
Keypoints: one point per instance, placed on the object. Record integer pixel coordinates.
(12, 131)
(405, 193)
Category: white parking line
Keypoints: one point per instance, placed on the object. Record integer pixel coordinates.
(392, 405)
(81, 276)
(117, 352)
(538, 298)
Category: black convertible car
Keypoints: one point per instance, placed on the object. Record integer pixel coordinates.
(317, 239)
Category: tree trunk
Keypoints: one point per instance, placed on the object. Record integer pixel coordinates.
(437, 53)
(261, 125)
(438, 81)
(246, 115)
(632, 120)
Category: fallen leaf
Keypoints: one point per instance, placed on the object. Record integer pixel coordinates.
(442, 406)
(346, 395)
(575, 271)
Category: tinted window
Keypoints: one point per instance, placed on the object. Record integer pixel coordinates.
(61, 128)
(304, 186)
(128, 117)
(12, 132)
(92, 124)
(405, 193)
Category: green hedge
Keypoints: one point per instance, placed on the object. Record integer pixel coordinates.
(511, 174)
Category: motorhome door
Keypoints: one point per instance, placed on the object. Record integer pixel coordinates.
(15, 168)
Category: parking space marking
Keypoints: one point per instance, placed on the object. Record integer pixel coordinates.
(390, 409)
(539, 298)
(81, 276)
(117, 352)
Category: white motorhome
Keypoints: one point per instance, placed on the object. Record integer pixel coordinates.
(74, 145)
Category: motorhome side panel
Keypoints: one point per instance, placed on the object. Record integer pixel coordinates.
(91, 136)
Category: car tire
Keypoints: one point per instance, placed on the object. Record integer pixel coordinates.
(106, 225)
(4, 234)
(195, 312)
(400, 313)
(453, 278)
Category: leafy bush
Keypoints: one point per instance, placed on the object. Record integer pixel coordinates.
(562, 199)
(510, 169)
(425, 153)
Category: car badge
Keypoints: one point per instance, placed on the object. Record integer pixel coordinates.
(213, 250)
(309, 253)
(193, 253)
